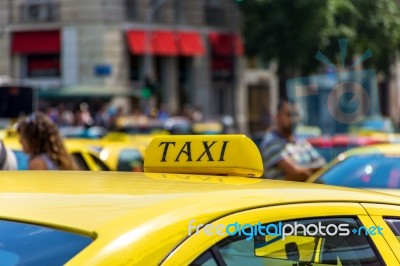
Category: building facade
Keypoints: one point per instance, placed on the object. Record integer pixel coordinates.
(190, 51)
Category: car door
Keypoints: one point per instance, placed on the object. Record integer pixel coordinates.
(218, 243)
(387, 217)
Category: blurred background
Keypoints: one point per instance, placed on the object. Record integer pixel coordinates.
(193, 66)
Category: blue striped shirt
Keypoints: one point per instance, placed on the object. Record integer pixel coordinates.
(275, 147)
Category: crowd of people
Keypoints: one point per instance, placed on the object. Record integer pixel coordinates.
(106, 115)
(40, 138)
(284, 156)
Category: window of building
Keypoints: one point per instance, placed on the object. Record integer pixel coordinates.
(184, 81)
(214, 13)
(40, 11)
(131, 9)
(15, 101)
(222, 68)
(44, 65)
(136, 61)
(162, 13)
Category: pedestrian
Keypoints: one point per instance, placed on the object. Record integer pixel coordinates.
(41, 140)
(8, 161)
(284, 156)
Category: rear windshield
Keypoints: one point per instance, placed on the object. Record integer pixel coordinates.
(27, 244)
(374, 171)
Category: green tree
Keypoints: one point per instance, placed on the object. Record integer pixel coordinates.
(292, 31)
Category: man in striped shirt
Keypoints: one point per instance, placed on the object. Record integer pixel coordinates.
(284, 156)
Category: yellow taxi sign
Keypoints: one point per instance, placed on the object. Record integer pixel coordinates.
(204, 154)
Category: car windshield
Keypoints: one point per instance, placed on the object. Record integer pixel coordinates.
(28, 244)
(375, 171)
(329, 153)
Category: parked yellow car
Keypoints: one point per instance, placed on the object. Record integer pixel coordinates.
(198, 203)
(374, 167)
(123, 156)
(84, 158)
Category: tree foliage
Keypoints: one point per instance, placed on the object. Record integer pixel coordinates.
(292, 31)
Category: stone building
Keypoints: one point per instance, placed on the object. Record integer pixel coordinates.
(190, 49)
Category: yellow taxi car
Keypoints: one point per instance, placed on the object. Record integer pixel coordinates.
(373, 167)
(84, 158)
(119, 151)
(198, 203)
(123, 156)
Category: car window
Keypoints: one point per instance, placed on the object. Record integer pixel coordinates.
(102, 166)
(80, 161)
(394, 224)
(27, 244)
(330, 153)
(364, 171)
(317, 249)
(206, 259)
(129, 160)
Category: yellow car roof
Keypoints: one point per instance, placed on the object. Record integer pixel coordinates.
(132, 210)
(86, 201)
(148, 213)
(388, 149)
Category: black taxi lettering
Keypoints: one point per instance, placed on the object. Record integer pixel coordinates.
(166, 143)
(207, 151)
(222, 154)
(187, 150)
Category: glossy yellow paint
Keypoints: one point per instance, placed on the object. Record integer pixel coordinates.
(139, 218)
(119, 137)
(377, 211)
(204, 154)
(389, 149)
(8, 132)
(84, 143)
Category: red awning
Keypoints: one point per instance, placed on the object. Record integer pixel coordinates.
(36, 42)
(161, 42)
(189, 44)
(136, 41)
(164, 43)
(226, 44)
